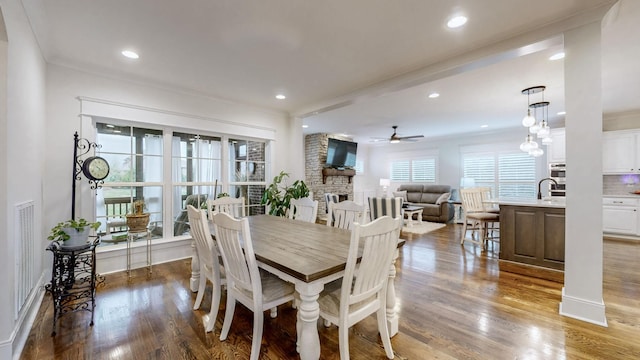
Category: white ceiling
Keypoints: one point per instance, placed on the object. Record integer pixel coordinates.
(361, 65)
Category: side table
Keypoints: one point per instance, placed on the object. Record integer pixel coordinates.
(133, 236)
(73, 279)
(409, 211)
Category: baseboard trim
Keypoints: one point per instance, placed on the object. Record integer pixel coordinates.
(12, 347)
(581, 309)
(532, 271)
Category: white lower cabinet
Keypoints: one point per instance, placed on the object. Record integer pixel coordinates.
(620, 216)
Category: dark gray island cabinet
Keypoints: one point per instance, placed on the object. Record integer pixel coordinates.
(532, 237)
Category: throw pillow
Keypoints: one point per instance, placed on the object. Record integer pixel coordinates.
(401, 194)
(444, 197)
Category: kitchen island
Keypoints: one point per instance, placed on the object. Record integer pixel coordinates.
(532, 237)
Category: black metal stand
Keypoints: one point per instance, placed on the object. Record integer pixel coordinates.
(73, 279)
(83, 146)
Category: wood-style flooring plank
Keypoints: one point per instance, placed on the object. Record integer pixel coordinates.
(455, 303)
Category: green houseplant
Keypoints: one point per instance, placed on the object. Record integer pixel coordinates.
(72, 232)
(278, 195)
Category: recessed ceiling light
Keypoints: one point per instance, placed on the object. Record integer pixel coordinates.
(562, 112)
(456, 21)
(110, 126)
(305, 126)
(434, 95)
(280, 97)
(130, 54)
(484, 126)
(557, 56)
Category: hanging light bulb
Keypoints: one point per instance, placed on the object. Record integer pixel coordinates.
(528, 120)
(547, 141)
(536, 152)
(534, 128)
(528, 144)
(543, 132)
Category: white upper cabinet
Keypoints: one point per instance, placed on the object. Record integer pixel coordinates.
(621, 152)
(556, 150)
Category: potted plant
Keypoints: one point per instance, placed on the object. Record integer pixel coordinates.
(277, 195)
(138, 220)
(72, 232)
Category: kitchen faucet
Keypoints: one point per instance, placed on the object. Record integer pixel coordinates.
(540, 183)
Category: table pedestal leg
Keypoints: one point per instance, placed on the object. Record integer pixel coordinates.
(194, 282)
(392, 316)
(308, 344)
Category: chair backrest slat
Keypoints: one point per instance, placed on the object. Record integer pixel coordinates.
(380, 241)
(303, 209)
(232, 206)
(344, 214)
(473, 199)
(234, 241)
(201, 235)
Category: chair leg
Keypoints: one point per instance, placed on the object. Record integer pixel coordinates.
(228, 316)
(258, 320)
(201, 287)
(343, 340)
(384, 332)
(464, 232)
(210, 319)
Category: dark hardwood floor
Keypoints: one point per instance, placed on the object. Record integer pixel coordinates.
(455, 303)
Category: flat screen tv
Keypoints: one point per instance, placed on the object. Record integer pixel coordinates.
(341, 153)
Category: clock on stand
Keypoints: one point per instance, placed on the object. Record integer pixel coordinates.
(94, 168)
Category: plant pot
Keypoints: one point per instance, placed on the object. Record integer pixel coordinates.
(137, 222)
(76, 238)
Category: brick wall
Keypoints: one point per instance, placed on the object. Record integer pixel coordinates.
(315, 150)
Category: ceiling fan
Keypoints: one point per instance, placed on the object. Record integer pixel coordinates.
(395, 138)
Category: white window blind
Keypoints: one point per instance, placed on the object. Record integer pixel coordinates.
(414, 170)
(400, 170)
(508, 174)
(517, 174)
(423, 170)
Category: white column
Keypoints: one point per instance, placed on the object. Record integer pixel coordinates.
(582, 292)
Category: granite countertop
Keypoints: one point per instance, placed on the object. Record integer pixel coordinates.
(550, 203)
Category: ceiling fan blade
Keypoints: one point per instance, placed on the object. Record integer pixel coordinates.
(410, 137)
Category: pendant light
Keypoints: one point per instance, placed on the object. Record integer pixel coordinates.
(540, 129)
(528, 144)
(529, 120)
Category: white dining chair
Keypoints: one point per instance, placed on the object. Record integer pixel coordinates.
(210, 266)
(257, 290)
(344, 214)
(303, 209)
(364, 285)
(226, 204)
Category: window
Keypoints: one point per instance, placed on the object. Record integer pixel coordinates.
(196, 161)
(170, 170)
(417, 170)
(135, 158)
(510, 174)
(247, 173)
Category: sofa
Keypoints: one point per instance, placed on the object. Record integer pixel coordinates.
(434, 199)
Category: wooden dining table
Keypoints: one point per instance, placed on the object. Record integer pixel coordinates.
(308, 255)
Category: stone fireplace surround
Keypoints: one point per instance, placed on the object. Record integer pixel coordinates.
(315, 153)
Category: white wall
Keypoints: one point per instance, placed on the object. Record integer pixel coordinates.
(379, 157)
(22, 149)
(63, 107)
